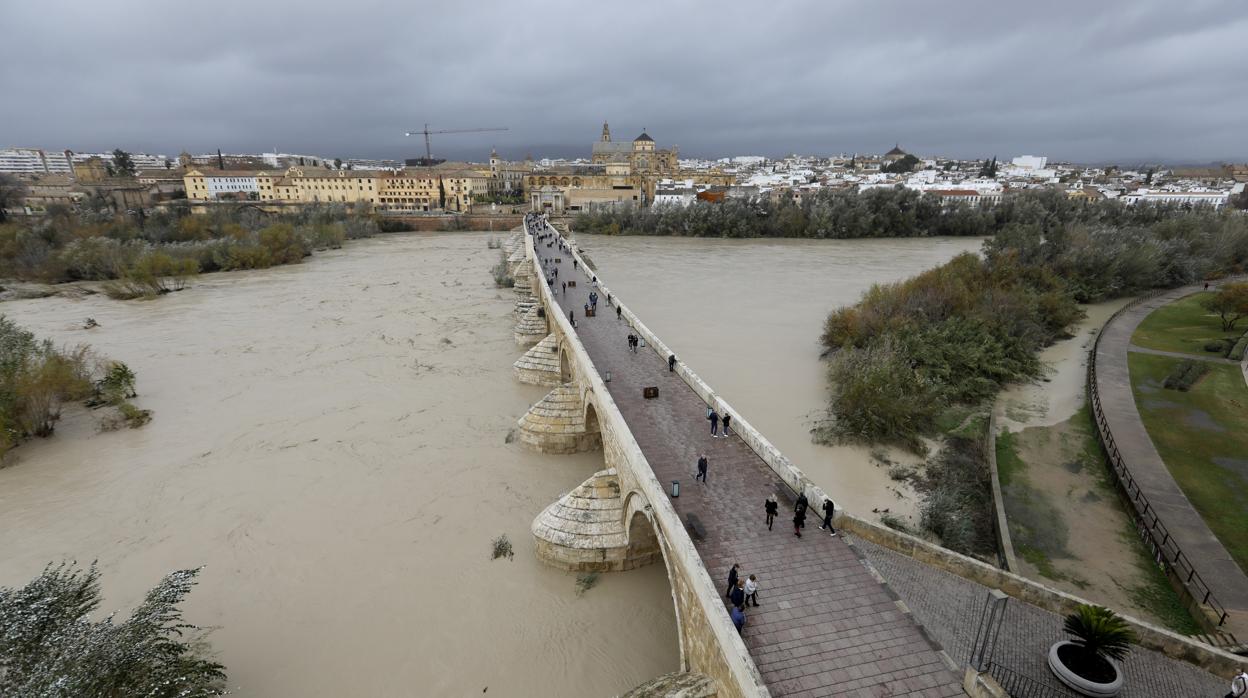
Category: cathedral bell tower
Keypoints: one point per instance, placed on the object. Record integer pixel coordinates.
(606, 133)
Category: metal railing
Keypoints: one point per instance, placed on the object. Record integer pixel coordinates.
(1022, 686)
(1165, 550)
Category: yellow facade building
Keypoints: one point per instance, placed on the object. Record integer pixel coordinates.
(619, 173)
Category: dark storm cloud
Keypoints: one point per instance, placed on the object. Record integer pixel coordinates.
(1077, 80)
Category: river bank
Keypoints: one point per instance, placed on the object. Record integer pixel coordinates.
(1069, 528)
(329, 441)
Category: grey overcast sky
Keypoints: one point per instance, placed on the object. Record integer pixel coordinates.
(1136, 80)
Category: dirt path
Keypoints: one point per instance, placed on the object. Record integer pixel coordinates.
(1069, 527)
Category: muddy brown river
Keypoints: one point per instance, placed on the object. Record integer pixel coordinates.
(329, 442)
(747, 315)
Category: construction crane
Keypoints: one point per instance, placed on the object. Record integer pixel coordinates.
(426, 133)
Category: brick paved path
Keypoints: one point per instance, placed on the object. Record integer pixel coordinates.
(825, 625)
(950, 607)
(1185, 524)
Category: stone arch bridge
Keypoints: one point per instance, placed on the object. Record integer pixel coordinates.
(808, 640)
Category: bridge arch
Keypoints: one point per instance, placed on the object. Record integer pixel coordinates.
(565, 365)
(642, 535)
(591, 418)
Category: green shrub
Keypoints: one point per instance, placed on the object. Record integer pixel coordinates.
(49, 646)
(1098, 633)
(36, 379)
(283, 244)
(877, 395)
(1215, 347)
(502, 272)
(957, 503)
(1237, 352)
(1185, 374)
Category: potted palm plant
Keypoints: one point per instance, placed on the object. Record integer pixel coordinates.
(1088, 663)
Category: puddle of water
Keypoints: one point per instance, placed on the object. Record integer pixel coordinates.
(1236, 465)
(1202, 420)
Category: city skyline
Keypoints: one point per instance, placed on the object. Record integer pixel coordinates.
(1114, 82)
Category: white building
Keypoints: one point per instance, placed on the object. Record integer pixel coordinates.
(1030, 162)
(674, 196)
(1216, 199)
(230, 183)
(142, 161)
(33, 161)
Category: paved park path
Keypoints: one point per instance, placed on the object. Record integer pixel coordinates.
(1189, 530)
(826, 626)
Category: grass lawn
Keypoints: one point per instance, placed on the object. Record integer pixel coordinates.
(1202, 435)
(1183, 326)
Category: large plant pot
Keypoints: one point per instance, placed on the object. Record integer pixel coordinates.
(1076, 682)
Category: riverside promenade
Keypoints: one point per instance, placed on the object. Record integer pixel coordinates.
(827, 625)
(1211, 561)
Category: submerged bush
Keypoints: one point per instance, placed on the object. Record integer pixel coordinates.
(36, 379)
(49, 646)
(502, 272)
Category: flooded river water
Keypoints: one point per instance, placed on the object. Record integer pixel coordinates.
(747, 315)
(328, 441)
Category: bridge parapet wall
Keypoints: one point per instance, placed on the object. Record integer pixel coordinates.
(709, 644)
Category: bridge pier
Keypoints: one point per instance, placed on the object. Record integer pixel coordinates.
(541, 365)
(561, 422)
(531, 327)
(595, 529)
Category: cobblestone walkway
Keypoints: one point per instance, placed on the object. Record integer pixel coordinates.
(825, 625)
(950, 606)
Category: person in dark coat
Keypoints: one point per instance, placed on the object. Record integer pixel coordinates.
(701, 469)
(828, 510)
(671, 366)
(738, 618)
(732, 579)
(619, 310)
(772, 507)
(802, 504)
(714, 417)
(738, 594)
(799, 522)
(727, 419)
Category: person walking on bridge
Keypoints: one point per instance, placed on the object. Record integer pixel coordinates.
(801, 504)
(619, 310)
(714, 417)
(738, 594)
(702, 463)
(828, 510)
(772, 508)
(738, 618)
(732, 579)
(671, 366)
(799, 522)
(751, 591)
(727, 419)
